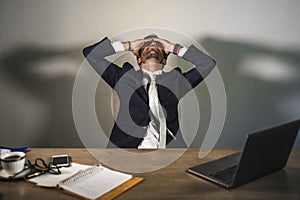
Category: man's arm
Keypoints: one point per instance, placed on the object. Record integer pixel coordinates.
(95, 55)
(203, 65)
(202, 62)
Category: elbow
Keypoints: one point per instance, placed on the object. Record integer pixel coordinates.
(86, 51)
(212, 63)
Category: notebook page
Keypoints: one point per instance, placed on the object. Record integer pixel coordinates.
(51, 180)
(98, 184)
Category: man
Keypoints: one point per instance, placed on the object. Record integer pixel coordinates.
(149, 97)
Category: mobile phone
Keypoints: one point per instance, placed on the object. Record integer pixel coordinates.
(61, 160)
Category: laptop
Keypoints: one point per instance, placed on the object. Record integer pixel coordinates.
(265, 151)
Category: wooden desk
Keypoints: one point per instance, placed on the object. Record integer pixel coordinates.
(171, 182)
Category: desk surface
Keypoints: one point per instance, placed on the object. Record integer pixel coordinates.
(171, 182)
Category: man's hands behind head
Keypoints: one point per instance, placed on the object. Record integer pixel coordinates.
(137, 45)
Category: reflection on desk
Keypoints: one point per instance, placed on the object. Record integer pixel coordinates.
(171, 182)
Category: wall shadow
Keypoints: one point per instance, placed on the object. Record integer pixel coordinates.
(27, 68)
(262, 87)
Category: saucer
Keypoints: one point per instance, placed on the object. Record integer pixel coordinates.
(5, 176)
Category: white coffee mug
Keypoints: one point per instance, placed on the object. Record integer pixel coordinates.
(13, 162)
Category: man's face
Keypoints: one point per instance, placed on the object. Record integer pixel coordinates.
(152, 49)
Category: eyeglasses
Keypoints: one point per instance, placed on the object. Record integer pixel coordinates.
(146, 44)
(41, 166)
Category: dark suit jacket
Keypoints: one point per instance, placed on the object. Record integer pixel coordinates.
(133, 117)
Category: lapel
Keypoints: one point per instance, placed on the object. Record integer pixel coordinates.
(139, 84)
(163, 83)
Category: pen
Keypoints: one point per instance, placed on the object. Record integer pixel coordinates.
(34, 174)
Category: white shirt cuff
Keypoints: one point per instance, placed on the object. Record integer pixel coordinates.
(182, 51)
(118, 46)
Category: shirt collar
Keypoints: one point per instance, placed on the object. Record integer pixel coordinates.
(158, 72)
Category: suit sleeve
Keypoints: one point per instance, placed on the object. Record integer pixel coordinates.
(95, 55)
(203, 65)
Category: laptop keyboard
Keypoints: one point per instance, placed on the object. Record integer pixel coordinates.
(226, 174)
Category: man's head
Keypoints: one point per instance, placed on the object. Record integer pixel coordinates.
(151, 51)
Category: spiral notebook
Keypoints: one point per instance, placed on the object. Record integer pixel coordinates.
(89, 182)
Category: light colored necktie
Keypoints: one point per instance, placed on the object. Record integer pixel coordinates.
(157, 110)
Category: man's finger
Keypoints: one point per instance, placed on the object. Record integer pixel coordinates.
(135, 52)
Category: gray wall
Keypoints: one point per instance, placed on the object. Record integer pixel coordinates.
(256, 44)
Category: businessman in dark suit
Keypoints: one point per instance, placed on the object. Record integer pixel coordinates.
(149, 97)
